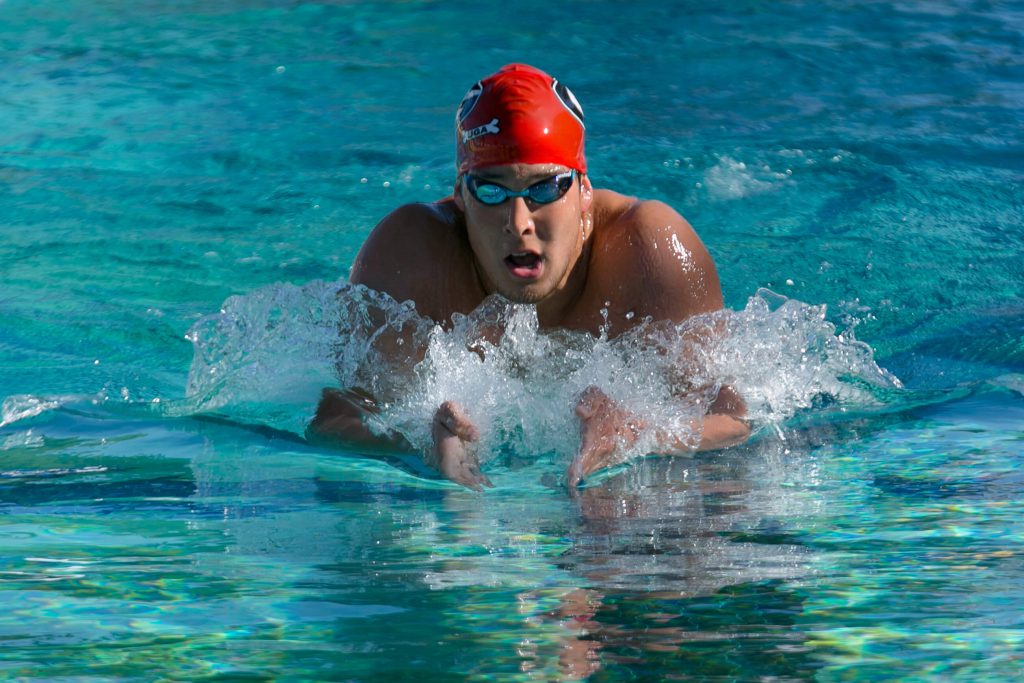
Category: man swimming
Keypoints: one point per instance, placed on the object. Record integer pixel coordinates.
(525, 222)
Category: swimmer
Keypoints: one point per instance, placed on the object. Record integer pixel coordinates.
(525, 222)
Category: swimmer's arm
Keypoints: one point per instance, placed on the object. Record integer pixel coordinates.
(605, 428)
(680, 281)
(340, 420)
(674, 279)
(723, 426)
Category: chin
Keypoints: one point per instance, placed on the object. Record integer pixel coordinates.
(526, 294)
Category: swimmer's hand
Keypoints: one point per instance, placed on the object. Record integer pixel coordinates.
(605, 430)
(453, 454)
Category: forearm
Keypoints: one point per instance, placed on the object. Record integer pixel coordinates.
(723, 426)
(340, 420)
(610, 435)
(716, 432)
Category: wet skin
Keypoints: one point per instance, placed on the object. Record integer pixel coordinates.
(568, 258)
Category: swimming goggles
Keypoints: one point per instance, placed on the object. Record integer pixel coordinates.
(543, 192)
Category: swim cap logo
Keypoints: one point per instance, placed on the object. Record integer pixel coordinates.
(469, 101)
(568, 100)
(490, 128)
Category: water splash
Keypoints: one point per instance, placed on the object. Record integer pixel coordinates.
(265, 357)
(731, 179)
(24, 406)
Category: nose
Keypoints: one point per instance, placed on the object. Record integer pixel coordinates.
(520, 218)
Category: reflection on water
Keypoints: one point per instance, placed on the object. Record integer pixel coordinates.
(635, 565)
(777, 557)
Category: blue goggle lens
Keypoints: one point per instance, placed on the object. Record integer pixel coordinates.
(543, 192)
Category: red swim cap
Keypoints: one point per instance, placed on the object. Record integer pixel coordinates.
(519, 114)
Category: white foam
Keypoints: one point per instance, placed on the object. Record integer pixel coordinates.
(23, 406)
(731, 179)
(266, 356)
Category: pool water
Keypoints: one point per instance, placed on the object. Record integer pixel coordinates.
(184, 186)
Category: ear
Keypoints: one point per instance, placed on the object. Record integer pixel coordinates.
(586, 193)
(457, 195)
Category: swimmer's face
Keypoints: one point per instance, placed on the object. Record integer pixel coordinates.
(526, 250)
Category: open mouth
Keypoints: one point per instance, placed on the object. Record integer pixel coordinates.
(525, 264)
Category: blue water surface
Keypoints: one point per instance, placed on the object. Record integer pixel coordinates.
(157, 158)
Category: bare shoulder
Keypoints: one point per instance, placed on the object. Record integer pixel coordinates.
(400, 235)
(419, 252)
(671, 275)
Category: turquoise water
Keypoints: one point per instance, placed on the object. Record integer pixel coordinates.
(854, 169)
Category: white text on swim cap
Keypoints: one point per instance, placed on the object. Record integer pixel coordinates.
(490, 128)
